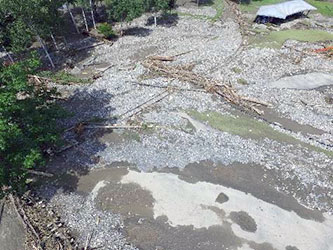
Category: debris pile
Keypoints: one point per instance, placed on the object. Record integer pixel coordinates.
(328, 51)
(184, 73)
(44, 228)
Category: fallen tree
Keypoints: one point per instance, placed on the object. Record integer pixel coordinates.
(185, 74)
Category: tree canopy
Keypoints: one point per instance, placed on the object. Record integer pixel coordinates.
(127, 10)
(20, 20)
(27, 123)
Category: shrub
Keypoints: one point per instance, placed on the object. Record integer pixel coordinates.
(106, 30)
(28, 128)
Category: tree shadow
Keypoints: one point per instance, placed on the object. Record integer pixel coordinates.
(67, 166)
(278, 21)
(203, 2)
(166, 20)
(137, 31)
(190, 3)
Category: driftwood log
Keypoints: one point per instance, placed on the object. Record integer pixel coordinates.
(185, 74)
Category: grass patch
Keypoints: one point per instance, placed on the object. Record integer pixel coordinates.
(218, 6)
(324, 8)
(255, 5)
(247, 127)
(236, 70)
(63, 77)
(242, 81)
(276, 39)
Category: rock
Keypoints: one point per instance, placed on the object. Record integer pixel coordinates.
(75, 71)
(306, 81)
(329, 99)
(12, 233)
(260, 26)
(221, 198)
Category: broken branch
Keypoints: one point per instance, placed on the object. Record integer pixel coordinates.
(162, 58)
(226, 91)
(40, 173)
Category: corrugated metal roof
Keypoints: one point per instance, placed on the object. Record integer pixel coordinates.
(282, 10)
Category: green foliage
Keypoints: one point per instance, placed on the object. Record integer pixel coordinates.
(106, 30)
(83, 3)
(63, 77)
(323, 7)
(19, 35)
(127, 10)
(276, 39)
(21, 19)
(27, 123)
(124, 10)
(157, 5)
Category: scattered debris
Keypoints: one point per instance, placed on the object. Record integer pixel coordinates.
(226, 91)
(138, 109)
(44, 81)
(43, 226)
(162, 58)
(328, 51)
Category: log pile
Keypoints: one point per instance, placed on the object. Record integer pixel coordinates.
(184, 73)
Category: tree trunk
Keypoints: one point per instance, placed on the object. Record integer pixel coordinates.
(155, 20)
(65, 41)
(45, 50)
(85, 19)
(73, 19)
(8, 55)
(54, 42)
(92, 13)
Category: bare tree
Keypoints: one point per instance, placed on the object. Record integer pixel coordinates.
(72, 17)
(92, 12)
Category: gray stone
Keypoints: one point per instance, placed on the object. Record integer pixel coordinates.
(244, 220)
(12, 233)
(221, 198)
(306, 81)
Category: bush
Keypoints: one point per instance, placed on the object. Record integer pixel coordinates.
(28, 128)
(106, 30)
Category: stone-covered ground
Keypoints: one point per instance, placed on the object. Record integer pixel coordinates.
(201, 173)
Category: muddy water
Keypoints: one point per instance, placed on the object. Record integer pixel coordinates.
(207, 206)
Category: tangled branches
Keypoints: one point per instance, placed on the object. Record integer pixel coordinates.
(184, 73)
